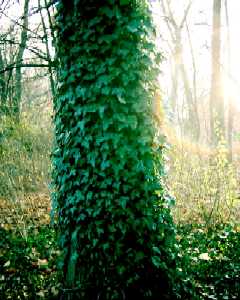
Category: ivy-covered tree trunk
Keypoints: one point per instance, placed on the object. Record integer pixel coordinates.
(116, 228)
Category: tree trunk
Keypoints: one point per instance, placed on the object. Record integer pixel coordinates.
(115, 223)
(18, 79)
(50, 69)
(3, 99)
(217, 128)
(190, 126)
(229, 99)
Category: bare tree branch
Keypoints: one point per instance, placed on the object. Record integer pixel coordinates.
(16, 22)
(22, 65)
(185, 14)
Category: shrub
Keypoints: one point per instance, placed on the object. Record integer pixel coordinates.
(204, 183)
(24, 158)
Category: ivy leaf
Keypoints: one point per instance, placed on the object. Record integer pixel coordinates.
(100, 231)
(103, 80)
(139, 255)
(74, 256)
(81, 217)
(105, 164)
(94, 21)
(124, 2)
(101, 111)
(121, 100)
(132, 120)
(156, 250)
(156, 261)
(133, 26)
(123, 202)
(107, 11)
(7, 264)
(106, 90)
(80, 92)
(121, 269)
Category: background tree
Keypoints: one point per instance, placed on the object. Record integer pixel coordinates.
(216, 92)
(190, 124)
(230, 108)
(19, 59)
(113, 212)
(27, 55)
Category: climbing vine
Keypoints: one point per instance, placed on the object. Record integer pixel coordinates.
(116, 229)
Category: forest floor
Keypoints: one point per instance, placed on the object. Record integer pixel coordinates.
(208, 257)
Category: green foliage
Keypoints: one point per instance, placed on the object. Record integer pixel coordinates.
(210, 260)
(28, 265)
(116, 229)
(23, 158)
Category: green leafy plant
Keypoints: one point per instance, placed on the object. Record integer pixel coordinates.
(210, 260)
(28, 265)
(112, 208)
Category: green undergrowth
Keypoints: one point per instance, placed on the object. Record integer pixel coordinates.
(209, 261)
(28, 265)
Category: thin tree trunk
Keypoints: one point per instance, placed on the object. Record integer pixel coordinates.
(51, 76)
(2, 86)
(216, 97)
(50, 23)
(229, 100)
(19, 59)
(174, 87)
(194, 94)
(192, 127)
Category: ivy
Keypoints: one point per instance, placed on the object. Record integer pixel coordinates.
(113, 210)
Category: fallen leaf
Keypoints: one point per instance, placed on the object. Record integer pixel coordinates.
(11, 270)
(7, 264)
(54, 291)
(204, 256)
(42, 262)
(41, 294)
